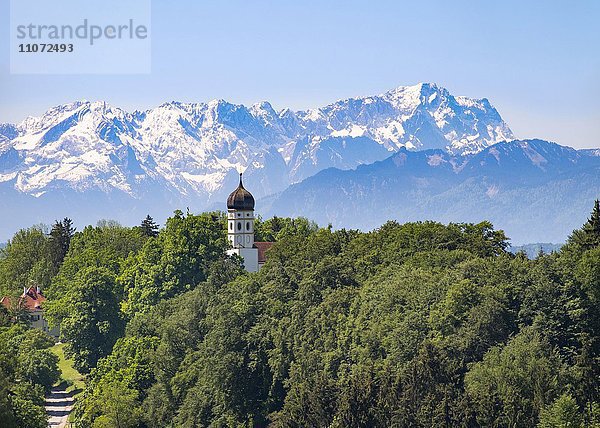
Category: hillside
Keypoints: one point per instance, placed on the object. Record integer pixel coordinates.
(410, 325)
(533, 189)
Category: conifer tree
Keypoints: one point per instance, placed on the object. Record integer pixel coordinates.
(589, 235)
(60, 240)
(149, 227)
(593, 224)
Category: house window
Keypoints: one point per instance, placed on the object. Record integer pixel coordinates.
(247, 225)
(230, 225)
(239, 225)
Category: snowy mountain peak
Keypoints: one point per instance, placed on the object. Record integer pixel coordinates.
(192, 151)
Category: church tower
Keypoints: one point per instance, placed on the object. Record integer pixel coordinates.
(240, 226)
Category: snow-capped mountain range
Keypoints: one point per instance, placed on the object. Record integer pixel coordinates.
(191, 152)
(413, 153)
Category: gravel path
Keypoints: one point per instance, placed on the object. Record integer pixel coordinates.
(58, 406)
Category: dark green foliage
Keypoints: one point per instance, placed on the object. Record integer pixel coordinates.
(118, 384)
(107, 246)
(277, 228)
(112, 272)
(563, 413)
(25, 261)
(27, 370)
(515, 382)
(33, 257)
(413, 325)
(85, 297)
(410, 325)
(89, 314)
(589, 235)
(5, 317)
(178, 259)
(149, 227)
(59, 241)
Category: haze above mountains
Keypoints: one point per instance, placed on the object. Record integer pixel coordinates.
(421, 153)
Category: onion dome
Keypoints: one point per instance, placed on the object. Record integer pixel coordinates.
(240, 199)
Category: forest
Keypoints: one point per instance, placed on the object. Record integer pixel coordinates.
(409, 325)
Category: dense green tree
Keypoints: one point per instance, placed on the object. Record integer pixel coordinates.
(118, 406)
(29, 357)
(89, 316)
(563, 413)
(130, 367)
(5, 317)
(59, 241)
(174, 262)
(27, 370)
(589, 235)
(588, 273)
(38, 366)
(84, 298)
(277, 228)
(25, 261)
(7, 416)
(149, 227)
(417, 324)
(27, 402)
(107, 245)
(515, 382)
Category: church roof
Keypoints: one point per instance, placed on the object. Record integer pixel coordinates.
(240, 199)
(263, 247)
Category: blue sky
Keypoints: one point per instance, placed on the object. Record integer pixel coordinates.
(537, 61)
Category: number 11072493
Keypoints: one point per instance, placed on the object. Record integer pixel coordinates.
(45, 47)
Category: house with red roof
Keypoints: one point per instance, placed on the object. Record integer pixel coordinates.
(32, 301)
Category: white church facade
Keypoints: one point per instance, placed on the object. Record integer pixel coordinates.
(240, 229)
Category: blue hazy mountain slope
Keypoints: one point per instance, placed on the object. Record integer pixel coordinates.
(535, 190)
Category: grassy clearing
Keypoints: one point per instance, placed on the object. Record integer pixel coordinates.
(72, 377)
